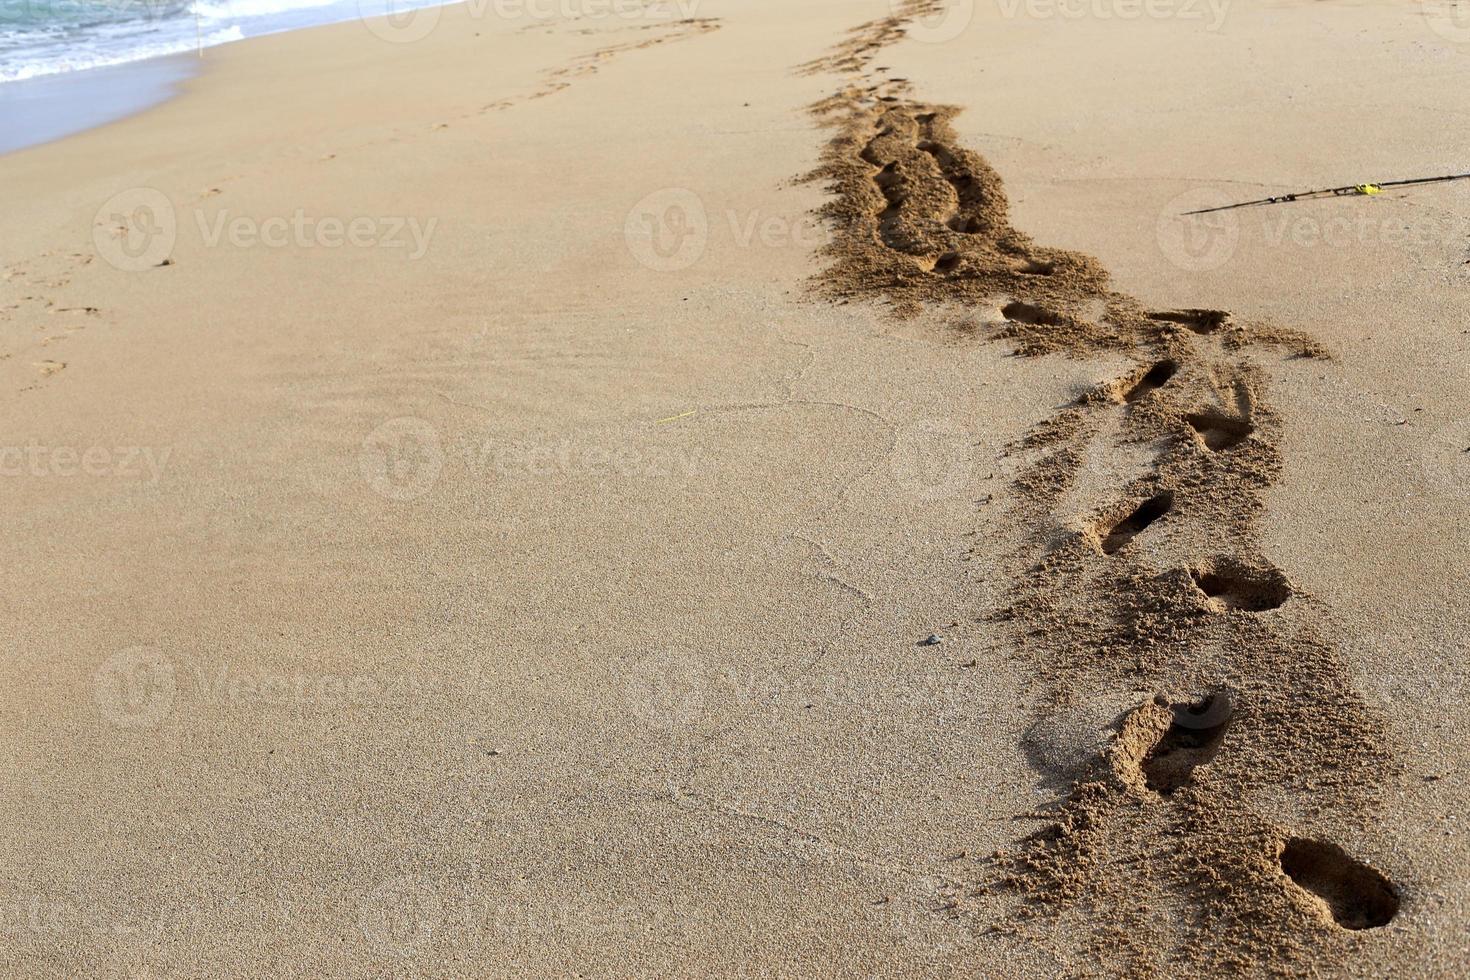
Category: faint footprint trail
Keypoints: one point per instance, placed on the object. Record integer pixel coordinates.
(1165, 590)
(39, 314)
(555, 80)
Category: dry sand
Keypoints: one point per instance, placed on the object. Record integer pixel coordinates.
(532, 583)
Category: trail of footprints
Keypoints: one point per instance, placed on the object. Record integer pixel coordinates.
(33, 319)
(1192, 734)
(1354, 894)
(919, 221)
(559, 79)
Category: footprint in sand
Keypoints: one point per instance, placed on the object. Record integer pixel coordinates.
(1198, 321)
(1151, 380)
(1159, 745)
(1229, 584)
(1193, 739)
(1142, 516)
(1031, 315)
(1354, 895)
(1032, 267)
(1219, 432)
(948, 262)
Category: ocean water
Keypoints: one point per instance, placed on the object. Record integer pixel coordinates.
(51, 37)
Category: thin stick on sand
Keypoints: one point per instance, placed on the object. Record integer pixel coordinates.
(1347, 191)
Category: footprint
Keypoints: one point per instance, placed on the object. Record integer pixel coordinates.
(1193, 739)
(1200, 321)
(1355, 895)
(1229, 584)
(1027, 313)
(1152, 380)
(1219, 432)
(1131, 526)
(947, 262)
(1032, 267)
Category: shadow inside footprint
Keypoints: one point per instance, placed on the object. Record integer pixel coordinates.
(1219, 432)
(1229, 584)
(1144, 515)
(948, 262)
(1357, 896)
(1153, 379)
(1028, 313)
(1032, 267)
(1199, 321)
(1192, 740)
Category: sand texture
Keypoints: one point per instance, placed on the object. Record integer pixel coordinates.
(745, 489)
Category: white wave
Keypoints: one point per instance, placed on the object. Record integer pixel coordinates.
(100, 59)
(58, 48)
(238, 9)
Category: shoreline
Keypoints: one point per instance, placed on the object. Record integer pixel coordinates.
(53, 107)
(49, 107)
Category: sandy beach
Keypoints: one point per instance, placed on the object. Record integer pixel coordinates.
(747, 489)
